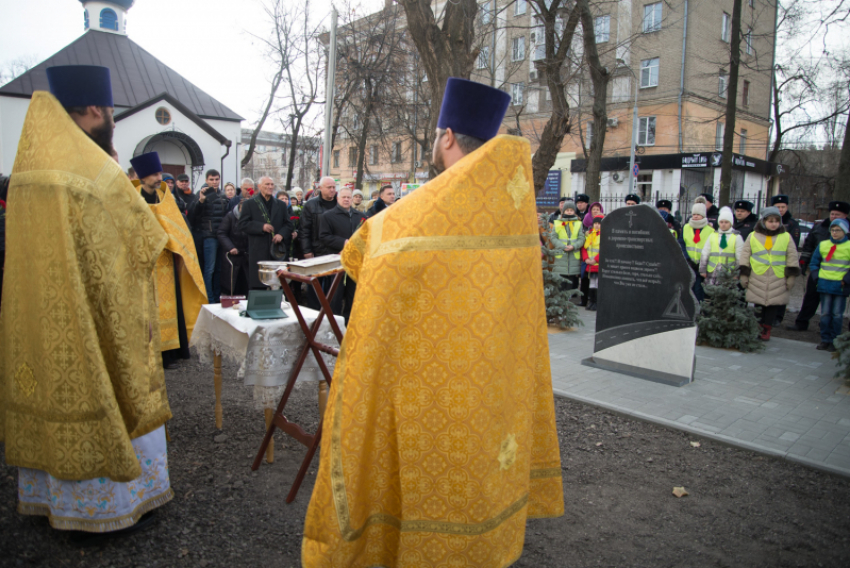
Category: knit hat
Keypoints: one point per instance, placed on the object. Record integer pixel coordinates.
(357, 192)
(768, 211)
(699, 207)
(570, 204)
(842, 223)
(726, 215)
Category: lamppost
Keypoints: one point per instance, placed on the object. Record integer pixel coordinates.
(622, 63)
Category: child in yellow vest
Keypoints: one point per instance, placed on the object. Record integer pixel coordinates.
(590, 255)
(694, 236)
(722, 250)
(830, 268)
(769, 264)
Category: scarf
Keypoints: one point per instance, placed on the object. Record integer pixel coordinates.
(698, 224)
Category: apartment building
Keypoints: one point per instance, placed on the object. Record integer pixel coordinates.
(674, 54)
(271, 158)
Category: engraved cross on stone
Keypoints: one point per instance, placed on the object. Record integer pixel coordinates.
(631, 215)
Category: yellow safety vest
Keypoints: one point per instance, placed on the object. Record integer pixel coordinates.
(724, 256)
(567, 230)
(761, 259)
(591, 244)
(837, 267)
(693, 249)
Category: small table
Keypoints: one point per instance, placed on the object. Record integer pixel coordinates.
(265, 350)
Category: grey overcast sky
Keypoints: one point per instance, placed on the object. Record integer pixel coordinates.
(207, 41)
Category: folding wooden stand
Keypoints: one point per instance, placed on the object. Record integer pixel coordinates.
(278, 420)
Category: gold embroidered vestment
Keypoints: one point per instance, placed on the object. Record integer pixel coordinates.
(439, 438)
(80, 370)
(180, 248)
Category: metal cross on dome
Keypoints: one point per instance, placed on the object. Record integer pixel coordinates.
(631, 215)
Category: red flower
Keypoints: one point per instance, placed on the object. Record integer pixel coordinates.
(2, 204)
(294, 218)
(362, 220)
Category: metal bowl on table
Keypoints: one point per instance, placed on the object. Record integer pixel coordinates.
(268, 272)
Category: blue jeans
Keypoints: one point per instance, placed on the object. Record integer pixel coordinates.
(212, 270)
(832, 315)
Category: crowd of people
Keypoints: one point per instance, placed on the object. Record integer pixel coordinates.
(762, 250)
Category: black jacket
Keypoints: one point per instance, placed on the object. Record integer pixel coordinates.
(230, 235)
(206, 217)
(337, 225)
(308, 234)
(376, 207)
(712, 214)
(820, 232)
(251, 221)
(746, 226)
(792, 227)
(4, 192)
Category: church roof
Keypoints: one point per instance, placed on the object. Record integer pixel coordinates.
(137, 76)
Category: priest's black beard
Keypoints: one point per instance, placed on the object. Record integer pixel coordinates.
(102, 136)
(439, 163)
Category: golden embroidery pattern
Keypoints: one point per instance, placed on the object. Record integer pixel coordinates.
(518, 187)
(25, 380)
(507, 454)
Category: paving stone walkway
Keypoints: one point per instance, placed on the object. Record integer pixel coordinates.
(783, 401)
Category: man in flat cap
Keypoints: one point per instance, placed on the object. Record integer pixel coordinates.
(745, 220)
(819, 233)
(179, 278)
(440, 426)
(632, 199)
(80, 371)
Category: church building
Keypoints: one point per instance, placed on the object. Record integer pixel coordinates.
(156, 109)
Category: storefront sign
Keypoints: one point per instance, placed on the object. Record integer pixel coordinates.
(551, 194)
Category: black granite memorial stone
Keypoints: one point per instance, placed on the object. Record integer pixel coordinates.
(644, 294)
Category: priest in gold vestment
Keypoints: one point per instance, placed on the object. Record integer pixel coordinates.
(439, 437)
(180, 286)
(82, 395)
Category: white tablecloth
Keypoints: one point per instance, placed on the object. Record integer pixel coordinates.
(265, 350)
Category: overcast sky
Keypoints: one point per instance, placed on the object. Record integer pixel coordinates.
(207, 41)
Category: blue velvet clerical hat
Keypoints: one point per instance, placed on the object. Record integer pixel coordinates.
(472, 108)
(80, 85)
(146, 164)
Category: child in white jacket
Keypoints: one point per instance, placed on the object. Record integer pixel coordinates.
(726, 245)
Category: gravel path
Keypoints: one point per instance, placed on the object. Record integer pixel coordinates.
(742, 509)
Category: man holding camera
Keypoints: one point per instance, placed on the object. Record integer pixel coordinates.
(205, 215)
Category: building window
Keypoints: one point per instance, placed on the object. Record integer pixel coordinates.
(602, 28)
(723, 84)
(644, 185)
(652, 18)
(588, 134)
(373, 155)
(520, 7)
(538, 43)
(748, 41)
(486, 13)
(718, 136)
(516, 93)
(108, 19)
(86, 16)
(396, 157)
(352, 157)
(484, 57)
(745, 93)
(336, 158)
(649, 72)
(743, 149)
(646, 131)
(726, 27)
(518, 49)
(163, 116)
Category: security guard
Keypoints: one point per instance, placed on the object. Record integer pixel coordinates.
(745, 221)
(667, 206)
(632, 199)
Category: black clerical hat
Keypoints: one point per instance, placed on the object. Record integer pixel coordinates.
(80, 85)
(472, 108)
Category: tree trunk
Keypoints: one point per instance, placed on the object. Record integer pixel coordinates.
(731, 106)
(777, 122)
(599, 76)
(842, 181)
(558, 125)
(250, 151)
(296, 129)
(445, 49)
(361, 151)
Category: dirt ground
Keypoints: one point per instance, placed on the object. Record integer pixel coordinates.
(811, 335)
(742, 509)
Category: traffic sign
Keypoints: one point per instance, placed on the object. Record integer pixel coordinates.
(636, 170)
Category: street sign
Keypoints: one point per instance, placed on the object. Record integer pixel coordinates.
(636, 170)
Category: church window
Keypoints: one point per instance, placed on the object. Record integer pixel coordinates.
(108, 19)
(163, 116)
(86, 12)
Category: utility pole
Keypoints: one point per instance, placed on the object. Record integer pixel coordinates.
(329, 97)
(731, 105)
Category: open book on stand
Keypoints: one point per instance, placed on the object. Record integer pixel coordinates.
(316, 265)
